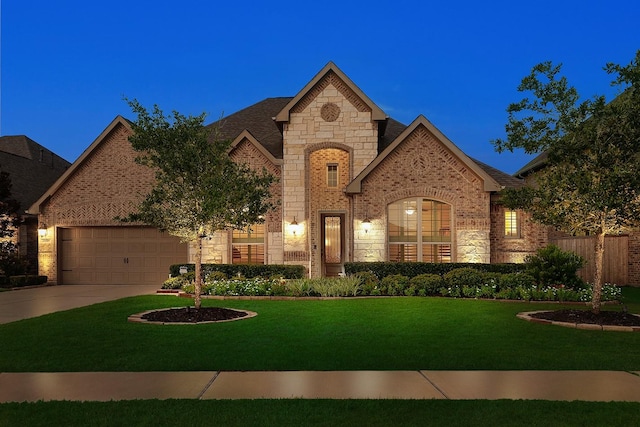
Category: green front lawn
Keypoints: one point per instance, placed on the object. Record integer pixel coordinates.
(348, 334)
(320, 413)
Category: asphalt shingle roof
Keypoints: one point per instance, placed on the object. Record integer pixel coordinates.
(32, 168)
(258, 120)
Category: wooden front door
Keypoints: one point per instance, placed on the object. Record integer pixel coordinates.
(332, 238)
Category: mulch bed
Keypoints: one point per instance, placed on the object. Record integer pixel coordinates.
(605, 318)
(192, 315)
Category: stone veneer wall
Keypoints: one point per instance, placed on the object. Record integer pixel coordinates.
(421, 166)
(348, 125)
(108, 184)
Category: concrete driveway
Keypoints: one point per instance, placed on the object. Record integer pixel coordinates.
(33, 302)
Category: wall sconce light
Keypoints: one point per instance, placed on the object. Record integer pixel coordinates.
(366, 224)
(42, 229)
(294, 226)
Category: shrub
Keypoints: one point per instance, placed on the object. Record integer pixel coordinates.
(279, 288)
(11, 263)
(215, 275)
(300, 287)
(394, 284)
(179, 282)
(513, 280)
(368, 282)
(553, 266)
(246, 270)
(412, 269)
(463, 277)
(26, 280)
(427, 284)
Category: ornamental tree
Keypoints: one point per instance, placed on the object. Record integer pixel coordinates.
(9, 222)
(198, 189)
(590, 182)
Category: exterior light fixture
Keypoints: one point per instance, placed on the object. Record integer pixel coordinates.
(42, 229)
(366, 224)
(294, 226)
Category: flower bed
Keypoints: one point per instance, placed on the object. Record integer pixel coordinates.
(460, 283)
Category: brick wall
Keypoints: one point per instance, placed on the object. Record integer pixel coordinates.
(508, 249)
(634, 259)
(324, 199)
(421, 166)
(108, 184)
(218, 249)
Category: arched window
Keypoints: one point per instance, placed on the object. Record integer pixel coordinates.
(419, 230)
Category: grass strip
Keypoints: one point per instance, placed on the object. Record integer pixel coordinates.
(320, 413)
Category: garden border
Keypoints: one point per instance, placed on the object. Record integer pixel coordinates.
(527, 315)
(137, 318)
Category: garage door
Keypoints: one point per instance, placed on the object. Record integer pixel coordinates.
(118, 255)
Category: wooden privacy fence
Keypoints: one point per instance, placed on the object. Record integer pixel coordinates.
(616, 256)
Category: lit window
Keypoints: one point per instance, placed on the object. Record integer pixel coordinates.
(511, 224)
(247, 246)
(419, 230)
(332, 175)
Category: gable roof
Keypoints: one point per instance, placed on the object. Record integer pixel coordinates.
(246, 135)
(119, 120)
(376, 112)
(32, 168)
(490, 184)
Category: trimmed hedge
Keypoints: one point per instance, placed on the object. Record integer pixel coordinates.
(246, 270)
(412, 269)
(22, 280)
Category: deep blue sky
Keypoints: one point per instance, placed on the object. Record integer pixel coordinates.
(67, 64)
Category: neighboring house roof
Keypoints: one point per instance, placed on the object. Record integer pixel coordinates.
(32, 168)
(35, 207)
(534, 165)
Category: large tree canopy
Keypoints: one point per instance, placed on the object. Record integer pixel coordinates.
(590, 182)
(199, 189)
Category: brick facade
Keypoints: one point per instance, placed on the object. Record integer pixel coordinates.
(421, 166)
(107, 184)
(330, 122)
(514, 249)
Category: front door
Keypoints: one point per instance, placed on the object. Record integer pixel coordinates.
(332, 239)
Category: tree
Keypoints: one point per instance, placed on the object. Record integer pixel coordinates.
(9, 222)
(591, 180)
(199, 189)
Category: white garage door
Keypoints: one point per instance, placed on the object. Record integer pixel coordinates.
(118, 255)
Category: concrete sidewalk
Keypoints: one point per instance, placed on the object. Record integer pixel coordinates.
(106, 386)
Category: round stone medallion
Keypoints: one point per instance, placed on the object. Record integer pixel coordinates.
(330, 112)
